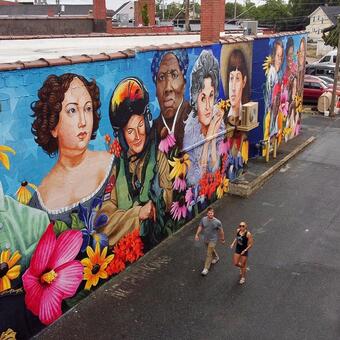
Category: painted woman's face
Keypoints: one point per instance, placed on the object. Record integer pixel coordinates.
(290, 54)
(301, 56)
(278, 58)
(205, 102)
(74, 128)
(236, 84)
(135, 133)
(170, 86)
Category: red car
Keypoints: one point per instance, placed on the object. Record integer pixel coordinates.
(314, 87)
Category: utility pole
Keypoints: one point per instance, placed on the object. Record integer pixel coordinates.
(163, 7)
(336, 73)
(235, 9)
(187, 8)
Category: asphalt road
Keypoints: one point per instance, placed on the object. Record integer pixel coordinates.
(293, 285)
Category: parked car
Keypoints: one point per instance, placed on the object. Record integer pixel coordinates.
(329, 58)
(327, 80)
(314, 87)
(320, 70)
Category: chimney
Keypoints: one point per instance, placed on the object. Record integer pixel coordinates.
(151, 6)
(99, 16)
(222, 15)
(210, 27)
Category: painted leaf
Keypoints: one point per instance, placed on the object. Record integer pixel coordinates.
(59, 227)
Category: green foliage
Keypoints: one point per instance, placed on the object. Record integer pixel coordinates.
(332, 36)
(59, 227)
(76, 223)
(145, 15)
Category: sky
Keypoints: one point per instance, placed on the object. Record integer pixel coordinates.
(114, 4)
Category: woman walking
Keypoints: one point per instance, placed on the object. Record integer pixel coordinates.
(244, 241)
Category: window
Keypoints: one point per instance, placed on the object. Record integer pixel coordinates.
(307, 85)
(322, 20)
(325, 59)
(334, 59)
(316, 86)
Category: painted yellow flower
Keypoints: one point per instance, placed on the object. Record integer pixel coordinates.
(222, 188)
(8, 268)
(95, 265)
(266, 131)
(4, 159)
(223, 104)
(179, 166)
(298, 103)
(8, 335)
(23, 194)
(245, 151)
(266, 65)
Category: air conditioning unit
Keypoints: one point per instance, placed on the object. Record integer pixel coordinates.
(249, 113)
(250, 27)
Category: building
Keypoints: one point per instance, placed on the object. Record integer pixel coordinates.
(323, 17)
(124, 14)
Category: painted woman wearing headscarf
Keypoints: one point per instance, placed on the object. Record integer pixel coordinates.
(139, 191)
(169, 75)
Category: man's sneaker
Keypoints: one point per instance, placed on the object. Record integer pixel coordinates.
(205, 272)
(215, 260)
(242, 281)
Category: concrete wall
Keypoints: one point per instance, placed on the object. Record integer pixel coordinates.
(100, 161)
(45, 26)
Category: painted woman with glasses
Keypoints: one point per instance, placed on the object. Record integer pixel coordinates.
(244, 241)
(140, 191)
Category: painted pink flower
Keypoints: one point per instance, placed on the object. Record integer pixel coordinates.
(168, 140)
(179, 209)
(224, 147)
(189, 197)
(53, 274)
(179, 183)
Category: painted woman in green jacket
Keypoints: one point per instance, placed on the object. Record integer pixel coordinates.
(139, 191)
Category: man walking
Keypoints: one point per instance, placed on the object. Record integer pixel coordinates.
(211, 227)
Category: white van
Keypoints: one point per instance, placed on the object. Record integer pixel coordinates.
(329, 58)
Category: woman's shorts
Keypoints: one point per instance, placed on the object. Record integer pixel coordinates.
(239, 251)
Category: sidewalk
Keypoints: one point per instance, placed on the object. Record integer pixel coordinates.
(164, 286)
(259, 171)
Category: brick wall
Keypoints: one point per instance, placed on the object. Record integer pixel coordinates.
(45, 26)
(210, 20)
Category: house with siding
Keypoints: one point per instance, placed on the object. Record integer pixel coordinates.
(323, 17)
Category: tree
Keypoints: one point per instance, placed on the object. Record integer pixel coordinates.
(145, 15)
(331, 36)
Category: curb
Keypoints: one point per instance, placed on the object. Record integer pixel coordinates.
(245, 190)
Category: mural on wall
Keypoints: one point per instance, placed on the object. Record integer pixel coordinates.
(236, 70)
(100, 162)
(284, 70)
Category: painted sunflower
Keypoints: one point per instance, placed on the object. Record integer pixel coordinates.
(4, 159)
(266, 65)
(9, 270)
(23, 194)
(179, 166)
(222, 188)
(95, 266)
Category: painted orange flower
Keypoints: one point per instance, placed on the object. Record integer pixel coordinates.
(9, 270)
(95, 266)
(107, 139)
(115, 148)
(128, 249)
